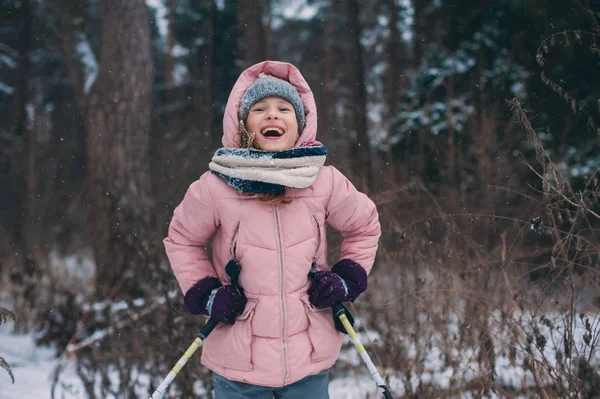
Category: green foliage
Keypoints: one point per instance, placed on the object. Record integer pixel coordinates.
(449, 83)
(485, 56)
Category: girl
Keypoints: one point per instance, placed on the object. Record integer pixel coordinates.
(265, 203)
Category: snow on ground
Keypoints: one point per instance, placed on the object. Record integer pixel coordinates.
(33, 366)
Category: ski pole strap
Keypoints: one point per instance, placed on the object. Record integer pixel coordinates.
(233, 269)
(338, 310)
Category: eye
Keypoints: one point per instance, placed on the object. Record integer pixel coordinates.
(283, 109)
(257, 109)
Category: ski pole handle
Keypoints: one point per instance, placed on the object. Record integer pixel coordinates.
(207, 329)
(338, 309)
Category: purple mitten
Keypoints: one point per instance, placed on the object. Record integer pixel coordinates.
(196, 297)
(354, 275)
(344, 283)
(225, 304)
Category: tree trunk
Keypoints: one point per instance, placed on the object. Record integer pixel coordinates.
(268, 31)
(251, 46)
(452, 183)
(418, 31)
(169, 56)
(20, 99)
(392, 85)
(362, 149)
(206, 67)
(118, 122)
(27, 224)
(72, 39)
(325, 120)
(24, 121)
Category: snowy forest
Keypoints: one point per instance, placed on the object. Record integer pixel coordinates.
(473, 126)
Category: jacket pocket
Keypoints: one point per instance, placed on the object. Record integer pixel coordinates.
(324, 338)
(230, 346)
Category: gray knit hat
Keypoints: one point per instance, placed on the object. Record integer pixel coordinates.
(266, 86)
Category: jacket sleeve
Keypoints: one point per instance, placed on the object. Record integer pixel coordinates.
(194, 222)
(355, 216)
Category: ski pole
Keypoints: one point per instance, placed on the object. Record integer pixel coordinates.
(340, 312)
(162, 388)
(233, 270)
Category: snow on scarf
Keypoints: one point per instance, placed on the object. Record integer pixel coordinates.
(260, 172)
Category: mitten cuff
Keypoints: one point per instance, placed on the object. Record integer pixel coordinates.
(354, 275)
(211, 300)
(195, 298)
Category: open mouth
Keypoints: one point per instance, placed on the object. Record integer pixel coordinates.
(272, 131)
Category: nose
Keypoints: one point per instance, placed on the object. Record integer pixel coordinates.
(272, 114)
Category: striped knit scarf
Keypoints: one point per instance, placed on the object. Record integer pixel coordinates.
(261, 172)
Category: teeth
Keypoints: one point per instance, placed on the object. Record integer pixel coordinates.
(277, 129)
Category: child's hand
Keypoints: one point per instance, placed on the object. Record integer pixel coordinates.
(225, 304)
(344, 283)
(327, 288)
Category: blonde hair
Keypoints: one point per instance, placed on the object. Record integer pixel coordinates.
(247, 142)
(246, 138)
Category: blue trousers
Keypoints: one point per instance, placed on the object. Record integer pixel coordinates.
(313, 386)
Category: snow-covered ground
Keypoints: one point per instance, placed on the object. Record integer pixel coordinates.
(33, 369)
(33, 366)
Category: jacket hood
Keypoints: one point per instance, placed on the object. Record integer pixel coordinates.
(282, 70)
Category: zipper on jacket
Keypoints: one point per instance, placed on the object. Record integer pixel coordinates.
(282, 288)
(314, 262)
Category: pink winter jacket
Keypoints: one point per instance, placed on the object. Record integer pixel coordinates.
(279, 338)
